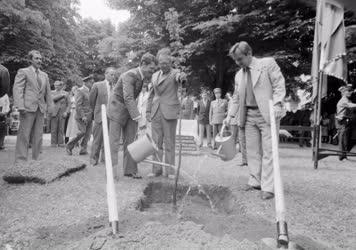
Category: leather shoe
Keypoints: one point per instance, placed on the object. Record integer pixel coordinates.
(134, 176)
(251, 188)
(69, 151)
(242, 164)
(83, 153)
(267, 195)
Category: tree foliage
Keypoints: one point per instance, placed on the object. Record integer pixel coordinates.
(69, 45)
(206, 29)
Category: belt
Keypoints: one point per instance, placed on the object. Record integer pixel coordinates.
(251, 107)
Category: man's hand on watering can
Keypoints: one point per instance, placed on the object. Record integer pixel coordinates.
(227, 121)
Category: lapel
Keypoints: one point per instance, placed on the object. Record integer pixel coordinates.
(255, 71)
(242, 87)
(33, 76)
(162, 79)
(43, 79)
(104, 90)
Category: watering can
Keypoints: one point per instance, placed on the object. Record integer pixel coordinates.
(227, 149)
(142, 148)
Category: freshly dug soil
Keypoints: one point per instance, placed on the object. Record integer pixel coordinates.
(43, 171)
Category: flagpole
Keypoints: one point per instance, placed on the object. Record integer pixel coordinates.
(317, 115)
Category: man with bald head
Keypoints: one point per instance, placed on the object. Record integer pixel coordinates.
(99, 95)
(163, 110)
(258, 81)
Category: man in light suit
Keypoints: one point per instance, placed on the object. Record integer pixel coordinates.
(84, 119)
(60, 112)
(124, 115)
(217, 113)
(257, 82)
(99, 95)
(32, 97)
(163, 110)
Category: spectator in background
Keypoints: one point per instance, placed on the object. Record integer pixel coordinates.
(4, 110)
(187, 107)
(4, 80)
(32, 97)
(343, 120)
(59, 114)
(72, 127)
(203, 119)
(83, 118)
(325, 125)
(218, 109)
(99, 95)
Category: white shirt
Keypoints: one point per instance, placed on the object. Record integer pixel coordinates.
(84, 87)
(108, 88)
(139, 70)
(4, 104)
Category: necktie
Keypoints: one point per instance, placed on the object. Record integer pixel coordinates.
(39, 81)
(250, 96)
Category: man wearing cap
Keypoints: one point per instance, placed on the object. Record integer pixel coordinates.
(343, 119)
(258, 81)
(59, 114)
(83, 117)
(99, 95)
(217, 113)
(124, 115)
(32, 98)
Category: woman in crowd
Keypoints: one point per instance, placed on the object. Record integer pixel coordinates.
(72, 127)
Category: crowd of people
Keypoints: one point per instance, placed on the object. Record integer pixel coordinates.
(146, 99)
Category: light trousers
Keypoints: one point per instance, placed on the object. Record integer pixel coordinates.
(259, 150)
(204, 128)
(31, 125)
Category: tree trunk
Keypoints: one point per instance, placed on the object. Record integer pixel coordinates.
(220, 65)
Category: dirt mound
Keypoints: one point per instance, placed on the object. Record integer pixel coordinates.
(43, 171)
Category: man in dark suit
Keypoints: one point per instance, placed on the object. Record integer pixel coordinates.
(99, 95)
(83, 117)
(4, 80)
(32, 97)
(203, 119)
(59, 114)
(123, 112)
(163, 110)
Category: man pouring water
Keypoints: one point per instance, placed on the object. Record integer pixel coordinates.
(258, 81)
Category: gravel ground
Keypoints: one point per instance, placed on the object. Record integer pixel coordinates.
(71, 213)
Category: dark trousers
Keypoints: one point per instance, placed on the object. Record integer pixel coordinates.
(164, 132)
(3, 130)
(128, 133)
(83, 134)
(344, 129)
(66, 139)
(57, 130)
(98, 142)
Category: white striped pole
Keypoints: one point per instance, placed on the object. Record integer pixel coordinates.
(110, 186)
(282, 231)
